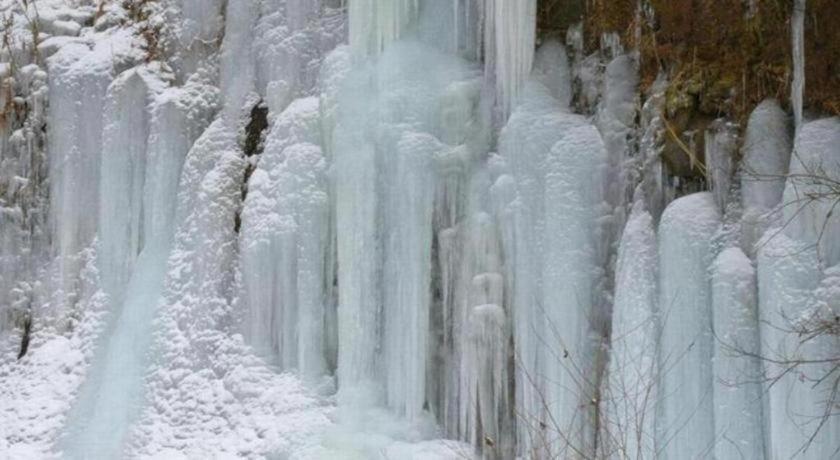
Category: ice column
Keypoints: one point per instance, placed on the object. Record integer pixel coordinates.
(630, 394)
(685, 416)
(178, 118)
(357, 208)
(509, 40)
(721, 141)
(574, 179)
(788, 272)
(766, 150)
(556, 160)
(376, 23)
(797, 90)
(78, 83)
(487, 361)
(790, 259)
(284, 230)
(123, 175)
(737, 369)
(810, 194)
(409, 202)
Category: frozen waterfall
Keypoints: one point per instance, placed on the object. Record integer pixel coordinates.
(421, 229)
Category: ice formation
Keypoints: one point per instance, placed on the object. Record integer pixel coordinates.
(737, 368)
(632, 373)
(767, 149)
(685, 416)
(790, 267)
(227, 233)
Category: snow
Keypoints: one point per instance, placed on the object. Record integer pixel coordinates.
(206, 393)
(685, 413)
(36, 392)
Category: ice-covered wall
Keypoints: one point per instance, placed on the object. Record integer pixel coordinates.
(311, 249)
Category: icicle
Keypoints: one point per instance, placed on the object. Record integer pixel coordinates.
(630, 394)
(767, 147)
(721, 143)
(509, 40)
(179, 116)
(488, 378)
(407, 270)
(78, 83)
(376, 23)
(284, 237)
(123, 176)
(685, 417)
(737, 369)
(797, 89)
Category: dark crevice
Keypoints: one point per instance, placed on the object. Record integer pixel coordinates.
(252, 147)
(27, 332)
(254, 130)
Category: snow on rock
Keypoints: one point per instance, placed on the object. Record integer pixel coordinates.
(207, 394)
(629, 396)
(737, 369)
(289, 48)
(36, 392)
(685, 413)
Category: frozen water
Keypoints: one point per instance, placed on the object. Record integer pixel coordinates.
(685, 413)
(312, 250)
(737, 368)
(767, 149)
(788, 273)
(810, 198)
(630, 392)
